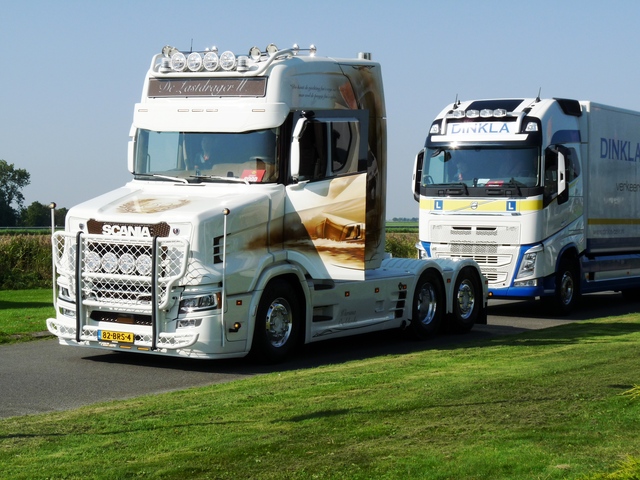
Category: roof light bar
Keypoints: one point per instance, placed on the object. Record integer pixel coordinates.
(484, 113)
(173, 60)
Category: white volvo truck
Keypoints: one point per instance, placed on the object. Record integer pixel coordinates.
(255, 218)
(543, 194)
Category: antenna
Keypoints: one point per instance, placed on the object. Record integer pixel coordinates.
(538, 97)
(191, 49)
(456, 102)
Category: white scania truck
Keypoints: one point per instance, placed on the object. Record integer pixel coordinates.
(255, 219)
(543, 194)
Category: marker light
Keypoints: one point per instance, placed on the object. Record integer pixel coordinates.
(473, 113)
(243, 64)
(458, 114)
(295, 48)
(486, 113)
(254, 53)
(499, 113)
(178, 62)
(227, 60)
(211, 61)
(168, 51)
(435, 129)
(312, 50)
(194, 62)
(531, 127)
(271, 48)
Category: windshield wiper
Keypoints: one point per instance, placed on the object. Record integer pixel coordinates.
(464, 185)
(513, 182)
(164, 177)
(218, 177)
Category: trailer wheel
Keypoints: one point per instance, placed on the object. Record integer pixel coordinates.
(467, 301)
(567, 291)
(428, 305)
(277, 323)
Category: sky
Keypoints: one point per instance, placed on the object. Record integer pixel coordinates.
(66, 103)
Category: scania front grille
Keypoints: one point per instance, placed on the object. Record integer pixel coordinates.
(117, 271)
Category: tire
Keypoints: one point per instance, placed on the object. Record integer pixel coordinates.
(467, 301)
(567, 292)
(278, 323)
(428, 305)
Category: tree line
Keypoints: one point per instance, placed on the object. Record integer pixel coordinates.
(13, 213)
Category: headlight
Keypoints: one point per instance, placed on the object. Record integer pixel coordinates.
(528, 264)
(203, 302)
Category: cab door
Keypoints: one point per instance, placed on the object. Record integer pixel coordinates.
(325, 207)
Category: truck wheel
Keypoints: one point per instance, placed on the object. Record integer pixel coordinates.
(428, 305)
(277, 323)
(467, 301)
(567, 288)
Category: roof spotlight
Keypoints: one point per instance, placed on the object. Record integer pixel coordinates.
(211, 61)
(227, 60)
(272, 48)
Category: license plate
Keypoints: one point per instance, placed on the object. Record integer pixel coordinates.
(110, 336)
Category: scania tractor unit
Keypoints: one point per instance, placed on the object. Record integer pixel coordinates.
(254, 220)
(543, 194)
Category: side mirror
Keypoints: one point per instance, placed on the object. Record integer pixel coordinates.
(298, 130)
(417, 175)
(563, 191)
(130, 155)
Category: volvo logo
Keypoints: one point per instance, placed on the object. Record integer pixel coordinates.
(474, 205)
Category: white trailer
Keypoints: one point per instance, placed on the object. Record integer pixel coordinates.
(255, 219)
(543, 194)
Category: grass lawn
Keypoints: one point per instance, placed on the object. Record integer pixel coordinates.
(559, 403)
(24, 312)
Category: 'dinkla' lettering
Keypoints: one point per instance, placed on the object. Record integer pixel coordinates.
(613, 149)
(484, 128)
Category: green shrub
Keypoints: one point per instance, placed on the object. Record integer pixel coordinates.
(402, 245)
(25, 262)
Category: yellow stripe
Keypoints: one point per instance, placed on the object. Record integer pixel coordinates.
(613, 221)
(486, 205)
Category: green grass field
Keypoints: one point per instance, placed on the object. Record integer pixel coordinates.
(559, 403)
(24, 312)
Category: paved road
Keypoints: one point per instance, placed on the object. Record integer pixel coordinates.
(42, 376)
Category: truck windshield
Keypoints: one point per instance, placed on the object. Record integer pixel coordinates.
(481, 166)
(250, 156)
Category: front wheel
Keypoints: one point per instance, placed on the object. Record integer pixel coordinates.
(467, 301)
(278, 323)
(567, 292)
(428, 305)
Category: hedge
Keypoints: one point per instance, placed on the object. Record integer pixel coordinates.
(25, 262)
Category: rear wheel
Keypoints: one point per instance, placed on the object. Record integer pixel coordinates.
(278, 323)
(428, 305)
(467, 301)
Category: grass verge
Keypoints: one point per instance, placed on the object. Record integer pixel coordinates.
(546, 404)
(23, 313)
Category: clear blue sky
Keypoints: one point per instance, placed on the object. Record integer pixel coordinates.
(72, 70)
